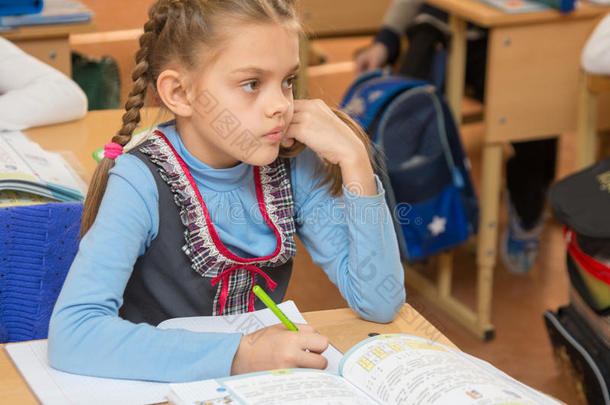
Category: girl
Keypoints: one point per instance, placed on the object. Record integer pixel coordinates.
(207, 207)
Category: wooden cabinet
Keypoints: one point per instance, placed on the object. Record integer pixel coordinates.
(50, 43)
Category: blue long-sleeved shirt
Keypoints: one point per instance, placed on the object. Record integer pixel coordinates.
(352, 238)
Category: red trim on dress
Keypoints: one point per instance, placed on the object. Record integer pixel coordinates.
(261, 202)
(224, 278)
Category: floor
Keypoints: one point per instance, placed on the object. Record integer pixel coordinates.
(521, 346)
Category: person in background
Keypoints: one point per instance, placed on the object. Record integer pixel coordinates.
(33, 93)
(596, 54)
(595, 59)
(529, 172)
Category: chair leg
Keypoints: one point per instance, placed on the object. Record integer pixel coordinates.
(445, 273)
(488, 233)
(456, 71)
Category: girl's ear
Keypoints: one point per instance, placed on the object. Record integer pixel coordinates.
(172, 91)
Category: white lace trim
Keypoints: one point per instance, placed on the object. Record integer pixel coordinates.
(272, 209)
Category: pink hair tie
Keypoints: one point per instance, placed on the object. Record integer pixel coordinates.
(112, 150)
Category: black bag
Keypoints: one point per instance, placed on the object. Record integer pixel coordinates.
(580, 332)
(99, 79)
(582, 203)
(587, 356)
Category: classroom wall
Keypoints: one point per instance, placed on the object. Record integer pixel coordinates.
(112, 16)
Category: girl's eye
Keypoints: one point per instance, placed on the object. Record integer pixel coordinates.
(251, 86)
(289, 82)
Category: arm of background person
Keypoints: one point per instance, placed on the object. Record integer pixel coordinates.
(398, 17)
(596, 55)
(386, 46)
(33, 93)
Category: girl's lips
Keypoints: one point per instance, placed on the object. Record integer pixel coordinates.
(275, 136)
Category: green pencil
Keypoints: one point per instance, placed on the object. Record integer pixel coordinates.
(274, 308)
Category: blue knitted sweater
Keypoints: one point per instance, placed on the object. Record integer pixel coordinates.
(37, 246)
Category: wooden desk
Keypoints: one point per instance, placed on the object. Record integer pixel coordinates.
(533, 62)
(82, 137)
(49, 43)
(342, 326)
(335, 18)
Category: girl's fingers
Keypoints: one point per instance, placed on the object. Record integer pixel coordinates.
(287, 142)
(289, 136)
(309, 106)
(293, 132)
(311, 340)
(300, 104)
(316, 343)
(312, 360)
(313, 344)
(299, 116)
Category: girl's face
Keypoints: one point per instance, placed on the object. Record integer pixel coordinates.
(242, 102)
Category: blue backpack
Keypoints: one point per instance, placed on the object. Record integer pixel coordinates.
(422, 164)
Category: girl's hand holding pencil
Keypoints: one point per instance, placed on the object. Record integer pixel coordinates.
(277, 347)
(291, 346)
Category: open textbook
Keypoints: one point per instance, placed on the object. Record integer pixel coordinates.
(27, 168)
(385, 369)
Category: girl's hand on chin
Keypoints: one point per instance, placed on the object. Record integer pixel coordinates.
(315, 125)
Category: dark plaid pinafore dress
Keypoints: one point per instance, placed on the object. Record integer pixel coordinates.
(187, 270)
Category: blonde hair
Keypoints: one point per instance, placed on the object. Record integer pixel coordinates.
(173, 33)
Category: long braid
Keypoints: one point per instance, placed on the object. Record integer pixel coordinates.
(131, 118)
(141, 79)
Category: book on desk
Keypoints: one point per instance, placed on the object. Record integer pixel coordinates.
(525, 6)
(16, 7)
(53, 12)
(30, 174)
(384, 369)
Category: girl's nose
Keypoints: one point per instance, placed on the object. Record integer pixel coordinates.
(278, 104)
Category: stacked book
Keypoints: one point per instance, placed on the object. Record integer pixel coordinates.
(524, 6)
(19, 13)
(29, 174)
